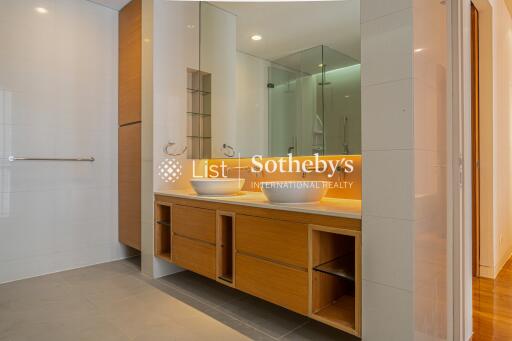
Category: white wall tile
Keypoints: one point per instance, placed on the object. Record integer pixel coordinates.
(386, 48)
(59, 100)
(388, 184)
(373, 9)
(387, 313)
(388, 251)
(387, 119)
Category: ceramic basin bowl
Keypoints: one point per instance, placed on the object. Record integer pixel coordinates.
(294, 192)
(217, 187)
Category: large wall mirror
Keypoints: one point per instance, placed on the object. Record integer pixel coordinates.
(276, 78)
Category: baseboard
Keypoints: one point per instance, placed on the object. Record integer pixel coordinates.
(502, 263)
(487, 272)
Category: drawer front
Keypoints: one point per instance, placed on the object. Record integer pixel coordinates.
(197, 223)
(194, 255)
(272, 282)
(279, 240)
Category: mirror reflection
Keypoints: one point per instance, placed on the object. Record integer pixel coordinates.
(276, 78)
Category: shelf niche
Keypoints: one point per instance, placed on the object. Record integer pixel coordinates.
(162, 232)
(225, 247)
(335, 277)
(199, 104)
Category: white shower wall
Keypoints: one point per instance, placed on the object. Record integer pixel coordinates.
(58, 98)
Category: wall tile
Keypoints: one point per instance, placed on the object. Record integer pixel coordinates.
(388, 116)
(388, 251)
(386, 48)
(59, 100)
(373, 9)
(387, 313)
(388, 184)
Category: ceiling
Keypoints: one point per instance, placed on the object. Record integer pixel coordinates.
(289, 27)
(114, 4)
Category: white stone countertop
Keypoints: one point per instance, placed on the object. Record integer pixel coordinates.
(345, 208)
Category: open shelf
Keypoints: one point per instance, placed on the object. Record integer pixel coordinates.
(335, 278)
(342, 266)
(199, 104)
(162, 232)
(339, 312)
(225, 247)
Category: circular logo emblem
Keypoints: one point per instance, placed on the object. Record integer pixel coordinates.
(170, 170)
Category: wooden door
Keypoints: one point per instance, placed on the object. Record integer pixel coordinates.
(130, 185)
(130, 63)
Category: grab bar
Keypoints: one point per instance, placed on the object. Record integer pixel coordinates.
(14, 158)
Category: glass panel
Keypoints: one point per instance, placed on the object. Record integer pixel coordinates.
(341, 89)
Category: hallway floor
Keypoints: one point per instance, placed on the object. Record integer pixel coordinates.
(114, 301)
(492, 306)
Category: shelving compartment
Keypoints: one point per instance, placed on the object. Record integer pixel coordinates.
(162, 233)
(225, 247)
(335, 277)
(199, 114)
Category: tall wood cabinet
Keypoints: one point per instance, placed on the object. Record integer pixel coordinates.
(130, 122)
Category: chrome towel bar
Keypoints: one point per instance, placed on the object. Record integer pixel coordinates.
(14, 158)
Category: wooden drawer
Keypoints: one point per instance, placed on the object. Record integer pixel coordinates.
(197, 223)
(194, 255)
(279, 240)
(272, 282)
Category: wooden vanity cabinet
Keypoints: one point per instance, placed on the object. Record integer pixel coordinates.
(280, 256)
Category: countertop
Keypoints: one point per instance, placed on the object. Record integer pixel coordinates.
(344, 208)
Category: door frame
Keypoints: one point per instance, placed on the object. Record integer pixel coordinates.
(475, 140)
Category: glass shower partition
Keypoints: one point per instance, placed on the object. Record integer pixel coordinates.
(314, 103)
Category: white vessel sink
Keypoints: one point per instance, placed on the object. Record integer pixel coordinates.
(217, 186)
(294, 192)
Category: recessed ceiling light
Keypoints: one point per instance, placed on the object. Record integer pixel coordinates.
(41, 10)
(190, 26)
(256, 37)
(418, 50)
(347, 96)
(320, 65)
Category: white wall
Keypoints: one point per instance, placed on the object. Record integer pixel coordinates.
(251, 105)
(219, 57)
(404, 117)
(58, 98)
(503, 119)
(496, 128)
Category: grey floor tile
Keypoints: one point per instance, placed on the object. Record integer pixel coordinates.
(317, 331)
(266, 317)
(114, 301)
(209, 291)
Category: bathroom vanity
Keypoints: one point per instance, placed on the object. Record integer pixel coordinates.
(306, 258)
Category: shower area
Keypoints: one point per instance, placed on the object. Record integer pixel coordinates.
(314, 103)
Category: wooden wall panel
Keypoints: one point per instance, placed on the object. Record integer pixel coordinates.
(130, 185)
(130, 62)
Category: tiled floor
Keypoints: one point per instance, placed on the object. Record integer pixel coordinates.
(114, 301)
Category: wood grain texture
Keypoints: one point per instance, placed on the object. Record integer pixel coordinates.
(226, 247)
(130, 63)
(196, 223)
(272, 282)
(305, 218)
(344, 312)
(194, 255)
(492, 306)
(282, 241)
(129, 180)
